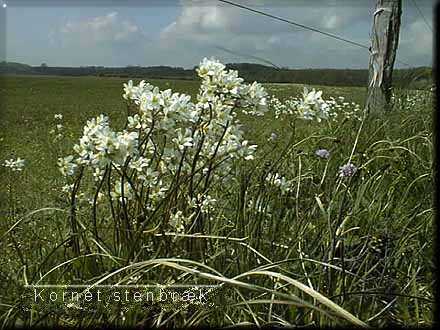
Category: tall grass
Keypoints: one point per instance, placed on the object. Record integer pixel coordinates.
(329, 251)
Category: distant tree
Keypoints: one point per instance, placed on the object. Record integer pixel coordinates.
(43, 65)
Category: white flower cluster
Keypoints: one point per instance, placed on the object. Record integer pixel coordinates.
(122, 191)
(280, 108)
(411, 101)
(168, 136)
(312, 107)
(100, 145)
(66, 165)
(340, 108)
(207, 203)
(280, 182)
(218, 84)
(16, 165)
(178, 222)
(58, 130)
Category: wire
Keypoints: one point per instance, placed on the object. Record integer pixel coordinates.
(423, 16)
(248, 56)
(303, 26)
(296, 24)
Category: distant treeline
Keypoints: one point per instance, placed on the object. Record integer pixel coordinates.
(420, 77)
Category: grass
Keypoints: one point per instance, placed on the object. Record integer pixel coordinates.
(331, 252)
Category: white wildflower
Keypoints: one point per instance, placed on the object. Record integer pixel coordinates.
(279, 181)
(121, 192)
(177, 221)
(16, 165)
(66, 165)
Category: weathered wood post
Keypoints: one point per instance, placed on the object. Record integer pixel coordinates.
(384, 41)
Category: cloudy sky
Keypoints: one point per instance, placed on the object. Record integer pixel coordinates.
(182, 32)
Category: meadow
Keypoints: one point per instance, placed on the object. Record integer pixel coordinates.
(289, 241)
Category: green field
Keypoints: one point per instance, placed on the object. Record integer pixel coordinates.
(366, 243)
(30, 103)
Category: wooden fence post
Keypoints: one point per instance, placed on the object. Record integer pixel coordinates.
(384, 41)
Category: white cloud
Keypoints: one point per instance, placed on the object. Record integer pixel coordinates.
(202, 27)
(96, 31)
(197, 20)
(416, 43)
(107, 39)
(210, 28)
(419, 37)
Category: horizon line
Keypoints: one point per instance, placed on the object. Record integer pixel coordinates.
(192, 68)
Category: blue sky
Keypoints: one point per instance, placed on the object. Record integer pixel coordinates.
(182, 32)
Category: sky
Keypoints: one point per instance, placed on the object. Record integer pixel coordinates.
(181, 33)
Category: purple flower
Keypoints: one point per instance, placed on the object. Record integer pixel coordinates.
(273, 137)
(347, 170)
(323, 153)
